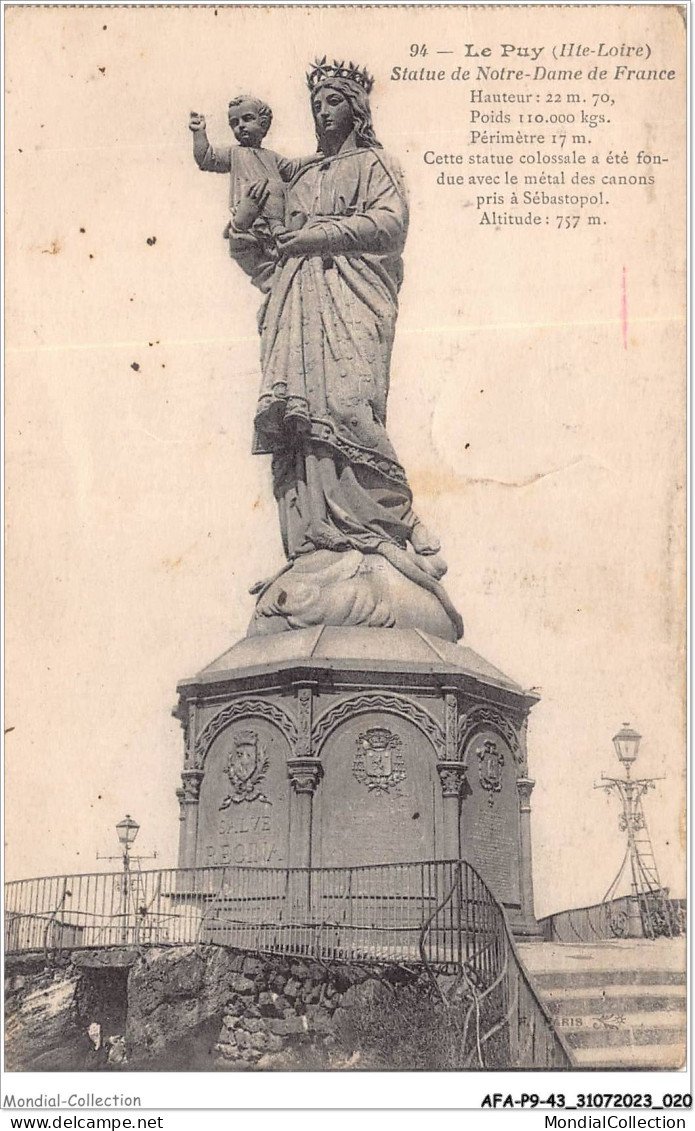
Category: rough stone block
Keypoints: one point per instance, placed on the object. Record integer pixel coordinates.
(292, 988)
(287, 1026)
(318, 1019)
(241, 984)
(346, 976)
(268, 1004)
(369, 991)
(252, 1024)
(118, 956)
(226, 1049)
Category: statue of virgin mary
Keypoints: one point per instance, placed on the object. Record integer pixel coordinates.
(327, 328)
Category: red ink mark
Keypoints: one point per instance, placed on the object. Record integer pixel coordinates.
(623, 307)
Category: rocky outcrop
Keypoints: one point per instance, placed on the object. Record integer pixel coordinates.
(173, 993)
(43, 1029)
(192, 1008)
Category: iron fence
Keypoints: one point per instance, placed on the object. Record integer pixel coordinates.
(374, 911)
(657, 913)
(439, 915)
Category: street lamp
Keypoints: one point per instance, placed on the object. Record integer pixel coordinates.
(646, 892)
(626, 743)
(127, 830)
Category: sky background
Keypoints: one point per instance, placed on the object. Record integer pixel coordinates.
(545, 448)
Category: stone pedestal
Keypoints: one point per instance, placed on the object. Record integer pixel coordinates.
(344, 746)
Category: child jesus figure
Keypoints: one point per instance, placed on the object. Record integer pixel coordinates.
(257, 180)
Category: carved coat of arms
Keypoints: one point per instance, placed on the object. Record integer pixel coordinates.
(490, 765)
(379, 762)
(247, 765)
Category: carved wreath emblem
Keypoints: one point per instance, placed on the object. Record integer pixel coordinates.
(247, 765)
(378, 762)
(490, 763)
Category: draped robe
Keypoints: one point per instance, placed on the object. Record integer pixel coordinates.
(327, 330)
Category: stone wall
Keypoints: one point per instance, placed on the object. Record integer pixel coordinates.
(184, 1008)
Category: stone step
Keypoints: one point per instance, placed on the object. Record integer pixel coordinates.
(629, 1029)
(577, 1002)
(619, 1004)
(609, 1020)
(581, 978)
(632, 1056)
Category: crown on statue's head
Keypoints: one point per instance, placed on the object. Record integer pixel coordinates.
(323, 72)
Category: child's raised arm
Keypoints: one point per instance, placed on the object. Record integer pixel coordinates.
(206, 158)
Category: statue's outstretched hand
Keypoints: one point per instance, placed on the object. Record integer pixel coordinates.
(251, 205)
(196, 122)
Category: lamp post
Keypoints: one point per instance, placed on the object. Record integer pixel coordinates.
(127, 830)
(639, 854)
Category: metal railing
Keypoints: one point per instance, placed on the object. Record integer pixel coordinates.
(376, 911)
(436, 914)
(658, 913)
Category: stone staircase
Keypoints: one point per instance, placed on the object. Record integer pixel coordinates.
(620, 1004)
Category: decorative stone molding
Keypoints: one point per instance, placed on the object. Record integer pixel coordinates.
(244, 709)
(305, 699)
(522, 757)
(480, 718)
(305, 774)
(451, 723)
(190, 730)
(185, 714)
(191, 784)
(525, 788)
(379, 701)
(378, 763)
(189, 791)
(452, 776)
(247, 765)
(490, 767)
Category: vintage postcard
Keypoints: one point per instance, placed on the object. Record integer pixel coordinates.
(346, 466)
